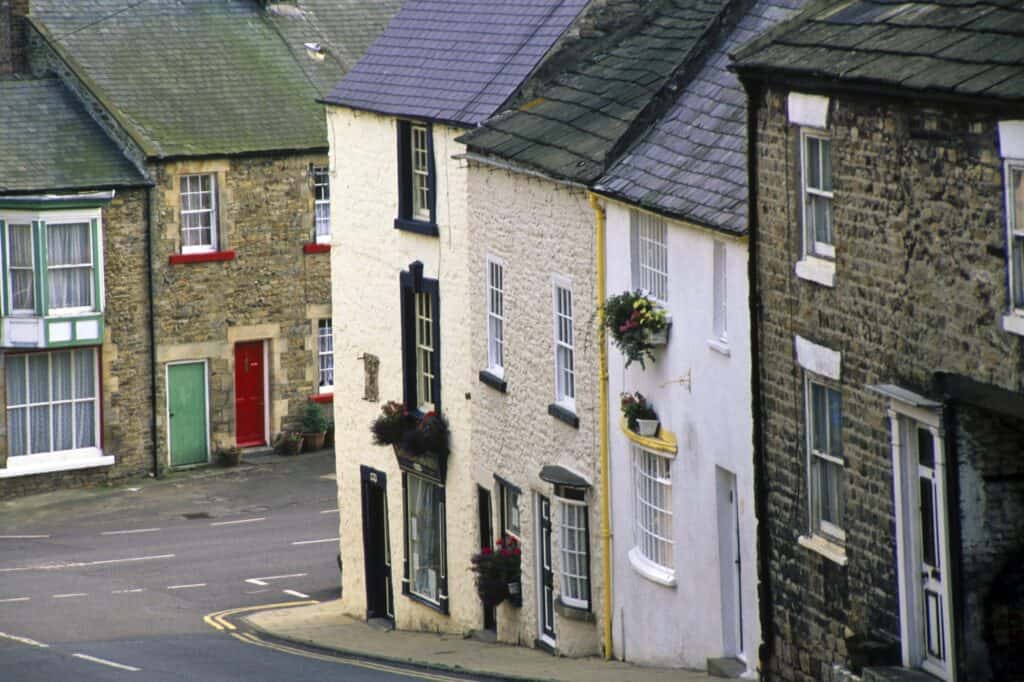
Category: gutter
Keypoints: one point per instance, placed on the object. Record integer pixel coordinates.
(606, 533)
(152, 333)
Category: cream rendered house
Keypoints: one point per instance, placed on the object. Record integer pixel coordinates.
(403, 281)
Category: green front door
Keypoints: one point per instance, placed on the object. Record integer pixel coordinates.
(186, 390)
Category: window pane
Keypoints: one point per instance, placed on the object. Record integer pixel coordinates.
(17, 385)
(928, 553)
(826, 165)
(85, 424)
(424, 538)
(85, 373)
(63, 436)
(61, 367)
(925, 448)
(1017, 258)
(813, 169)
(835, 423)
(68, 244)
(21, 268)
(17, 433)
(21, 246)
(819, 412)
(39, 425)
(38, 378)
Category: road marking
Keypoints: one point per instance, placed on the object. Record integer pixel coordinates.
(137, 589)
(232, 523)
(70, 595)
(129, 532)
(24, 640)
(7, 601)
(329, 511)
(262, 581)
(103, 661)
(218, 619)
(83, 564)
(185, 587)
(24, 537)
(315, 542)
(296, 594)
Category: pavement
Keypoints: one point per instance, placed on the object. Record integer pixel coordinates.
(324, 626)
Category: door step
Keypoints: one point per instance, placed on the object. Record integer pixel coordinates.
(382, 624)
(726, 667)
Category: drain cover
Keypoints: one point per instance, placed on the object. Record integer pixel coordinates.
(197, 515)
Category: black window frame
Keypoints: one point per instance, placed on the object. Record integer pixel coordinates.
(405, 220)
(412, 282)
(442, 604)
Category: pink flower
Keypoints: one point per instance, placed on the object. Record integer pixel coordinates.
(485, 551)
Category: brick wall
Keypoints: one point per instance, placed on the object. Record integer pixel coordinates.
(920, 287)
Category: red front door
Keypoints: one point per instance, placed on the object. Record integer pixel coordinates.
(250, 394)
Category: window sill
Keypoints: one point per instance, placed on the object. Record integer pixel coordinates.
(664, 442)
(47, 462)
(581, 614)
(322, 398)
(417, 226)
(440, 607)
(650, 570)
(316, 247)
(817, 270)
(719, 346)
(1014, 323)
(494, 381)
(829, 550)
(564, 415)
(211, 257)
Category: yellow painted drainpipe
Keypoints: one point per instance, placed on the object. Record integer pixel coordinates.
(606, 532)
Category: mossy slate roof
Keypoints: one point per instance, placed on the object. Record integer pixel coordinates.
(211, 77)
(455, 61)
(693, 162)
(961, 47)
(581, 115)
(48, 142)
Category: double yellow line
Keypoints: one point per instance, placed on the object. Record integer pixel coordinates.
(219, 620)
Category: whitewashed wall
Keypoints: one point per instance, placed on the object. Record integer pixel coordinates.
(681, 625)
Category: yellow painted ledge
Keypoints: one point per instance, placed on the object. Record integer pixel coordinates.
(665, 442)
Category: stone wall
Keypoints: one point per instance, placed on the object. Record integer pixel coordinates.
(125, 359)
(270, 290)
(920, 287)
(538, 229)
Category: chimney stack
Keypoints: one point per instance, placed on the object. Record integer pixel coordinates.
(13, 36)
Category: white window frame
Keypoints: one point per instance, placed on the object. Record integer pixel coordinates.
(720, 319)
(321, 204)
(185, 179)
(425, 325)
(511, 520)
(653, 552)
(496, 316)
(73, 310)
(818, 526)
(419, 166)
(564, 343)
(813, 247)
(325, 354)
(576, 598)
(649, 240)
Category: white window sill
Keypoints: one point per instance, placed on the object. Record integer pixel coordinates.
(719, 346)
(817, 270)
(192, 250)
(44, 463)
(650, 570)
(323, 239)
(1014, 323)
(829, 550)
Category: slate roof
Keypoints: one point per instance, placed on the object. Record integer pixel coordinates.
(211, 77)
(49, 143)
(693, 162)
(578, 119)
(962, 47)
(454, 61)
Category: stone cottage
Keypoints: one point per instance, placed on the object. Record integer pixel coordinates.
(218, 114)
(888, 162)
(403, 274)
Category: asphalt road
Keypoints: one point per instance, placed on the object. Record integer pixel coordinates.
(114, 584)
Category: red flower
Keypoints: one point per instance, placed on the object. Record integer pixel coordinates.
(485, 551)
(516, 551)
(505, 552)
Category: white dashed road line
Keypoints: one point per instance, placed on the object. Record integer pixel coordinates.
(24, 640)
(70, 595)
(103, 661)
(134, 591)
(315, 542)
(329, 511)
(296, 594)
(232, 523)
(84, 564)
(262, 582)
(130, 532)
(24, 537)
(185, 587)
(7, 601)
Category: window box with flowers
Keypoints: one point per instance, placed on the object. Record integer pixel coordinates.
(499, 573)
(639, 414)
(638, 324)
(420, 441)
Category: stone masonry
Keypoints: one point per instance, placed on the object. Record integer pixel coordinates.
(920, 287)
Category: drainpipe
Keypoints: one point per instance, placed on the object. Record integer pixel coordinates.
(606, 532)
(152, 333)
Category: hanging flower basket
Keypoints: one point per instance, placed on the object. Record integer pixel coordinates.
(639, 414)
(637, 324)
(420, 442)
(499, 573)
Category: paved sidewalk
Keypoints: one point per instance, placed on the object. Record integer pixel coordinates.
(323, 625)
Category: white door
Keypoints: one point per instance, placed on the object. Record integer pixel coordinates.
(922, 545)
(729, 563)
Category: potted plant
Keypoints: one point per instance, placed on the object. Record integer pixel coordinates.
(429, 435)
(637, 324)
(640, 415)
(229, 456)
(314, 426)
(288, 443)
(394, 421)
(498, 572)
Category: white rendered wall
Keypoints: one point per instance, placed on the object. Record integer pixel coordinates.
(367, 256)
(681, 625)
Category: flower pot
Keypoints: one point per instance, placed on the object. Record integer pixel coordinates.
(658, 338)
(492, 592)
(312, 441)
(288, 444)
(647, 427)
(229, 457)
